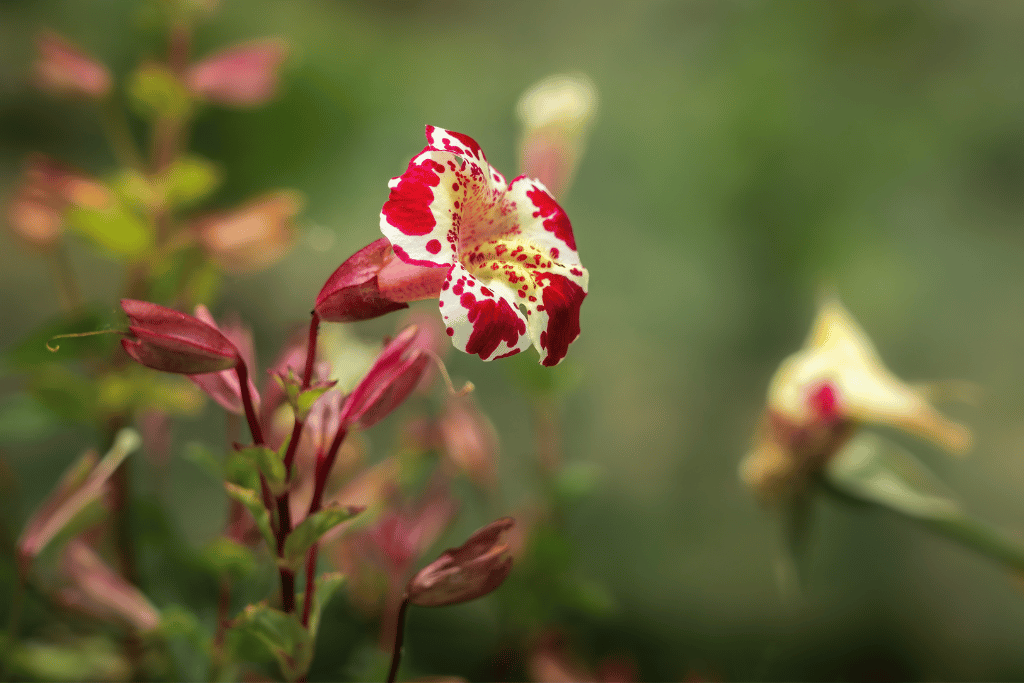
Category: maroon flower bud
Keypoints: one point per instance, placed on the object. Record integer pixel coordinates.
(171, 341)
(470, 571)
(63, 69)
(351, 293)
(240, 76)
(391, 379)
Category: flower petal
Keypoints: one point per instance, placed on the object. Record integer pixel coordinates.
(555, 319)
(449, 194)
(542, 221)
(482, 319)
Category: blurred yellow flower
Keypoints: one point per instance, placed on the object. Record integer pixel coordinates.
(819, 396)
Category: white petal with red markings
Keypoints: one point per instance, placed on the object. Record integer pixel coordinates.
(482, 319)
(542, 221)
(431, 203)
(554, 311)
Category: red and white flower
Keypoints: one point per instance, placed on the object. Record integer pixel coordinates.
(512, 275)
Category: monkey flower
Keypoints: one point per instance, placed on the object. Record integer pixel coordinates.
(822, 393)
(502, 246)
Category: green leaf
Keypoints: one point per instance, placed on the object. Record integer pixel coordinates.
(270, 464)
(36, 348)
(137, 387)
(301, 400)
(83, 659)
(252, 501)
(874, 471)
(282, 634)
(311, 529)
(114, 228)
(134, 189)
(156, 92)
(189, 179)
(203, 457)
(178, 622)
(225, 556)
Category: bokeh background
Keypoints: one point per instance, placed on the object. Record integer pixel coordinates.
(745, 154)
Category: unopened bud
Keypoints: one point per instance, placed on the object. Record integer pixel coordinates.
(556, 114)
(240, 76)
(470, 571)
(171, 341)
(352, 292)
(64, 69)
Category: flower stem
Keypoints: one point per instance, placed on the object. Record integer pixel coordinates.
(396, 653)
(250, 412)
(119, 135)
(310, 582)
(314, 328)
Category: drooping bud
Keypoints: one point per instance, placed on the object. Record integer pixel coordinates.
(352, 292)
(254, 236)
(388, 382)
(171, 341)
(97, 590)
(470, 440)
(82, 486)
(470, 571)
(240, 76)
(63, 69)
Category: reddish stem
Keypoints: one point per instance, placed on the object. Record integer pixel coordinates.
(310, 582)
(396, 654)
(250, 412)
(323, 470)
(314, 328)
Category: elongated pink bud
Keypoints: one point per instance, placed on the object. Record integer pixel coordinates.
(390, 380)
(64, 69)
(171, 341)
(241, 76)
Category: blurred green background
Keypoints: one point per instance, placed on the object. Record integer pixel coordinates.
(744, 155)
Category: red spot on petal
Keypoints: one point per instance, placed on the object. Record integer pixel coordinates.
(434, 246)
(467, 300)
(469, 143)
(555, 220)
(562, 300)
(824, 402)
(494, 321)
(554, 252)
(408, 204)
(486, 292)
(450, 331)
